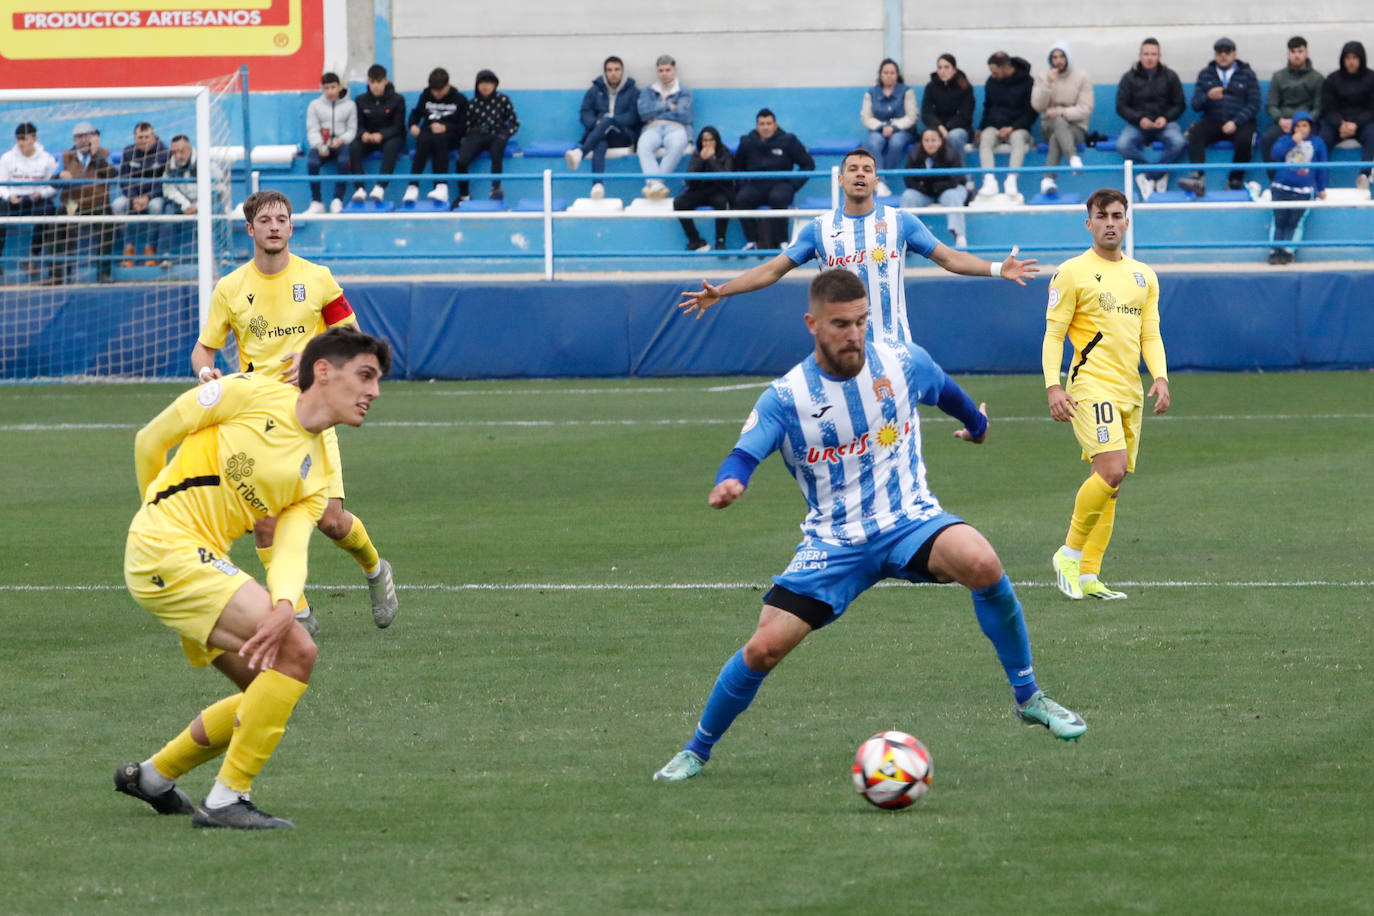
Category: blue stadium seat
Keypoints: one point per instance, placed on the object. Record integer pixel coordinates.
(1172, 197)
(425, 205)
(1226, 194)
(1064, 197)
(548, 149)
(536, 204)
(832, 146)
(482, 206)
(369, 206)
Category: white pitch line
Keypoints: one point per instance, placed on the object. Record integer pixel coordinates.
(708, 586)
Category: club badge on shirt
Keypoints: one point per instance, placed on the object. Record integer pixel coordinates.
(298, 292)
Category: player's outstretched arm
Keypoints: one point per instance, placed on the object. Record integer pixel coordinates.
(765, 274)
(725, 493)
(970, 265)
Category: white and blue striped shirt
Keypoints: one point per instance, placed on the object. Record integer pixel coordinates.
(853, 445)
(873, 247)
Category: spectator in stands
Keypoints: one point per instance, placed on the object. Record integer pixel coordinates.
(1007, 118)
(179, 194)
(1297, 87)
(381, 126)
(437, 123)
(1348, 105)
(768, 148)
(934, 152)
(665, 109)
(947, 104)
(610, 118)
(1149, 98)
(140, 188)
(1064, 98)
(491, 124)
(711, 155)
(331, 123)
(23, 169)
(1227, 97)
(889, 116)
(87, 161)
(1298, 149)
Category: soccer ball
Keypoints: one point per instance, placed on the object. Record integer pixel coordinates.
(892, 770)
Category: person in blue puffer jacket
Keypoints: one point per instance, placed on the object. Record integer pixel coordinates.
(889, 116)
(1227, 98)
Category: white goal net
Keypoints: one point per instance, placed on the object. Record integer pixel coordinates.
(114, 214)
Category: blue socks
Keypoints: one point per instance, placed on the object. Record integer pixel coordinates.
(734, 691)
(999, 614)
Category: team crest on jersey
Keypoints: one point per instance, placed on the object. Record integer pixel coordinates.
(298, 292)
(1139, 279)
(1104, 435)
(750, 423)
(209, 394)
(305, 467)
(258, 326)
(880, 226)
(882, 389)
(239, 466)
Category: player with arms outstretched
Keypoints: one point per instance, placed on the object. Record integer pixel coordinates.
(251, 447)
(275, 304)
(869, 241)
(1108, 304)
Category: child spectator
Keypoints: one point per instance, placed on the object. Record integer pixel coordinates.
(491, 123)
(1297, 180)
(331, 123)
(711, 156)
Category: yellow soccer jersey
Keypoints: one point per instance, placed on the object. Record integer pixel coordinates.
(244, 455)
(274, 316)
(1110, 310)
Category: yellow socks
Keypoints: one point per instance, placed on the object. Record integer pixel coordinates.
(265, 557)
(262, 715)
(183, 753)
(1098, 539)
(359, 546)
(1088, 507)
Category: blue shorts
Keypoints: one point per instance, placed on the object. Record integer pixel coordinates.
(834, 575)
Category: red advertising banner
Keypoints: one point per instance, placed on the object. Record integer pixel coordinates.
(70, 43)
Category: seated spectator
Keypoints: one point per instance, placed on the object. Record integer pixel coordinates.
(179, 193)
(889, 116)
(491, 124)
(89, 162)
(1064, 98)
(610, 118)
(934, 152)
(665, 109)
(140, 188)
(331, 123)
(22, 169)
(711, 156)
(1297, 180)
(1007, 118)
(437, 123)
(381, 126)
(768, 148)
(1227, 97)
(1149, 98)
(1297, 87)
(1348, 105)
(947, 104)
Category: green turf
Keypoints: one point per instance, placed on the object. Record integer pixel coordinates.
(491, 752)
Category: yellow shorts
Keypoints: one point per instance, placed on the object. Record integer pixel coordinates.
(183, 584)
(1103, 425)
(333, 465)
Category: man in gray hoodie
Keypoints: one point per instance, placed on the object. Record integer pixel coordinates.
(331, 123)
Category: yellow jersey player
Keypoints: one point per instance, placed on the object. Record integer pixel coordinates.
(1109, 306)
(251, 447)
(274, 304)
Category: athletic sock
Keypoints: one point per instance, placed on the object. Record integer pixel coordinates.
(999, 615)
(265, 557)
(262, 716)
(1088, 505)
(1101, 535)
(221, 796)
(183, 753)
(734, 691)
(359, 546)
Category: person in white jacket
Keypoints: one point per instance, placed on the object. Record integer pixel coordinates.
(331, 123)
(23, 168)
(1064, 97)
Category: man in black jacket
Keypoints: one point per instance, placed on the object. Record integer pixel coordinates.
(381, 126)
(1007, 118)
(768, 148)
(437, 123)
(1348, 105)
(1227, 97)
(1149, 99)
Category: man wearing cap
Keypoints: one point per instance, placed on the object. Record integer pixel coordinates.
(22, 169)
(86, 161)
(1227, 98)
(665, 108)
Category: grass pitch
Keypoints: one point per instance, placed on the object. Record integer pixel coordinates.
(491, 752)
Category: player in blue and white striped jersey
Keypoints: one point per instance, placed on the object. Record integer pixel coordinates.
(847, 424)
(869, 241)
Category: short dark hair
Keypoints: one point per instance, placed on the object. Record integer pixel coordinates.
(26, 129)
(835, 285)
(259, 199)
(1150, 41)
(329, 76)
(765, 113)
(181, 137)
(438, 79)
(859, 151)
(999, 59)
(142, 125)
(1104, 196)
(1297, 41)
(612, 60)
(376, 72)
(340, 345)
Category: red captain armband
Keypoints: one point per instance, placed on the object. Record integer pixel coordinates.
(336, 311)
